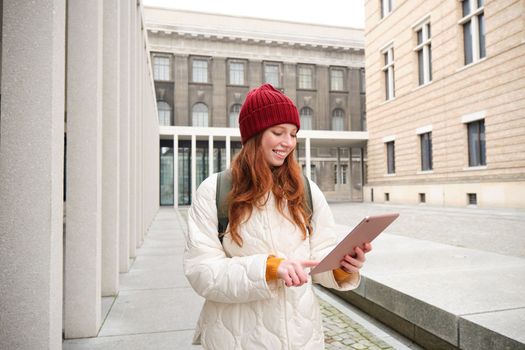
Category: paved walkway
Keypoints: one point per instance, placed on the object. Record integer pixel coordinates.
(455, 273)
(157, 309)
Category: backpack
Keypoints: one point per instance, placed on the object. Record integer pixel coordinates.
(224, 186)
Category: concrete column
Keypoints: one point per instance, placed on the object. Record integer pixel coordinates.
(218, 115)
(175, 171)
(351, 177)
(228, 152)
(124, 184)
(140, 129)
(31, 174)
(110, 149)
(362, 166)
(210, 155)
(133, 131)
(308, 158)
(84, 170)
(193, 165)
(181, 107)
(339, 173)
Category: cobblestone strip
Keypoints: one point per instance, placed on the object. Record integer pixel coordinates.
(341, 332)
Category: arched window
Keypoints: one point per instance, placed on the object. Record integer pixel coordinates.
(338, 119)
(199, 114)
(234, 115)
(164, 113)
(306, 115)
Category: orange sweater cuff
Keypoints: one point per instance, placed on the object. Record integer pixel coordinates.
(341, 275)
(272, 264)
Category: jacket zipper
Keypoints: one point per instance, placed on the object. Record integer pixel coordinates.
(269, 229)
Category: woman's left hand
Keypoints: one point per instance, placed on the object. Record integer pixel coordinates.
(351, 263)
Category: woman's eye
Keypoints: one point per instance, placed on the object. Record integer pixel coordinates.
(293, 135)
(277, 133)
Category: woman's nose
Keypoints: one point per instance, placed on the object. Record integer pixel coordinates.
(287, 140)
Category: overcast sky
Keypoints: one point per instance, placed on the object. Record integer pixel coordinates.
(347, 13)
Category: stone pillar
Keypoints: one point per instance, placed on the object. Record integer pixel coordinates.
(308, 158)
(84, 170)
(110, 148)
(133, 131)
(31, 174)
(255, 73)
(175, 171)
(218, 106)
(181, 91)
(351, 177)
(210, 155)
(228, 151)
(289, 81)
(324, 115)
(193, 166)
(140, 128)
(338, 173)
(124, 184)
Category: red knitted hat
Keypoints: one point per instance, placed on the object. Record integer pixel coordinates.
(264, 107)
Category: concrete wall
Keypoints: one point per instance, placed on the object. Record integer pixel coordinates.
(493, 86)
(57, 267)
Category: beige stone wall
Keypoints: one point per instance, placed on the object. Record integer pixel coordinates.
(494, 86)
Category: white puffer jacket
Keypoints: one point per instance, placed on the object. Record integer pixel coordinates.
(242, 310)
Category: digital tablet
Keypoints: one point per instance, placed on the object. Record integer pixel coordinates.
(368, 229)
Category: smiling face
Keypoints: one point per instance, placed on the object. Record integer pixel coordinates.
(278, 142)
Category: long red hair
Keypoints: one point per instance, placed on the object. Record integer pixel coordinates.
(253, 178)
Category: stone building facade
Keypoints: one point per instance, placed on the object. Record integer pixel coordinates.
(445, 88)
(205, 64)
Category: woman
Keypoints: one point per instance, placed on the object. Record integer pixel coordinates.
(258, 294)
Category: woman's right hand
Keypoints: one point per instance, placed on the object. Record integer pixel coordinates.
(293, 273)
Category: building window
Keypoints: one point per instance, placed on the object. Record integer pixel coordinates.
(313, 174)
(386, 7)
(236, 72)
(340, 174)
(200, 71)
(161, 68)
(424, 53)
(164, 113)
(305, 77)
(387, 197)
(199, 114)
(306, 116)
(390, 158)
(338, 119)
(422, 198)
(388, 70)
(476, 143)
(472, 199)
(271, 74)
(426, 151)
(234, 115)
(473, 23)
(337, 79)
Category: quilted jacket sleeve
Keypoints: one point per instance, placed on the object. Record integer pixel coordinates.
(211, 273)
(324, 238)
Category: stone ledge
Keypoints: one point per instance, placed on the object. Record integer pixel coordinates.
(430, 326)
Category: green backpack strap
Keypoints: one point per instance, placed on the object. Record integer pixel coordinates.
(224, 186)
(308, 194)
